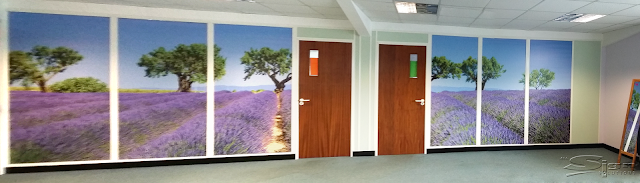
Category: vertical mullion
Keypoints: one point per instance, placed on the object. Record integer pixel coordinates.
(479, 95)
(113, 92)
(210, 131)
(526, 92)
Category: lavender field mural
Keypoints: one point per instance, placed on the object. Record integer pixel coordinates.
(163, 76)
(502, 113)
(453, 101)
(59, 105)
(549, 91)
(253, 98)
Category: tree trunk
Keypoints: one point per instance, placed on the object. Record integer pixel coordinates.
(483, 83)
(43, 86)
(184, 85)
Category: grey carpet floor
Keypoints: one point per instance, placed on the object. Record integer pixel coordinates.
(486, 166)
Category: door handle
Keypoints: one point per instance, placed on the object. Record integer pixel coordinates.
(302, 100)
(421, 101)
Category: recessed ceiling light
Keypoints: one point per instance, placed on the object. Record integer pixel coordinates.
(406, 7)
(410, 7)
(578, 17)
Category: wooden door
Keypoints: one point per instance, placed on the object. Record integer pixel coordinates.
(325, 120)
(400, 117)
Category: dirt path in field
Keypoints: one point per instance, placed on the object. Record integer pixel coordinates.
(277, 143)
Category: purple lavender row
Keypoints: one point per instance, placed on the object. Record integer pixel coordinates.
(634, 138)
(140, 125)
(559, 98)
(548, 124)
(71, 140)
(466, 97)
(285, 112)
(493, 132)
(222, 99)
(65, 112)
(452, 122)
(188, 140)
(507, 107)
(244, 126)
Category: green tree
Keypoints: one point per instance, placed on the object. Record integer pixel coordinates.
(40, 65)
(187, 62)
(491, 69)
(539, 78)
(272, 63)
(443, 69)
(79, 85)
(635, 100)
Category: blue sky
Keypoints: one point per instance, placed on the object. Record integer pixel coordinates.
(139, 37)
(87, 35)
(511, 53)
(234, 40)
(455, 49)
(555, 56)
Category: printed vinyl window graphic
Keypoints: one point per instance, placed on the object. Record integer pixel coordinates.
(502, 118)
(633, 108)
(162, 100)
(549, 91)
(59, 96)
(453, 91)
(253, 93)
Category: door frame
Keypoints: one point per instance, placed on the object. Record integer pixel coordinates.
(295, 87)
(427, 96)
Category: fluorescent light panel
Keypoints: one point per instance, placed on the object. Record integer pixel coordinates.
(578, 17)
(406, 7)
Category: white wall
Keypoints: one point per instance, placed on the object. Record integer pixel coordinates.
(620, 64)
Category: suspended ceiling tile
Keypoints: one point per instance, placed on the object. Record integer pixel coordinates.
(490, 22)
(633, 22)
(539, 15)
(377, 6)
(612, 19)
(561, 25)
(253, 8)
(611, 28)
(454, 24)
(290, 8)
(289, 2)
(591, 26)
(459, 11)
(602, 8)
(418, 17)
(523, 24)
(563, 6)
(513, 4)
(328, 10)
(321, 3)
(387, 19)
(466, 3)
(621, 1)
(633, 11)
(500, 13)
(308, 15)
(460, 20)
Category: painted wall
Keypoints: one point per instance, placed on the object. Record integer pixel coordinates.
(621, 64)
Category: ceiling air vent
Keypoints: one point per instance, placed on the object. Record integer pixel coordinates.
(411, 7)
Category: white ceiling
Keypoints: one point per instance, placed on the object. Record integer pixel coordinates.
(495, 14)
